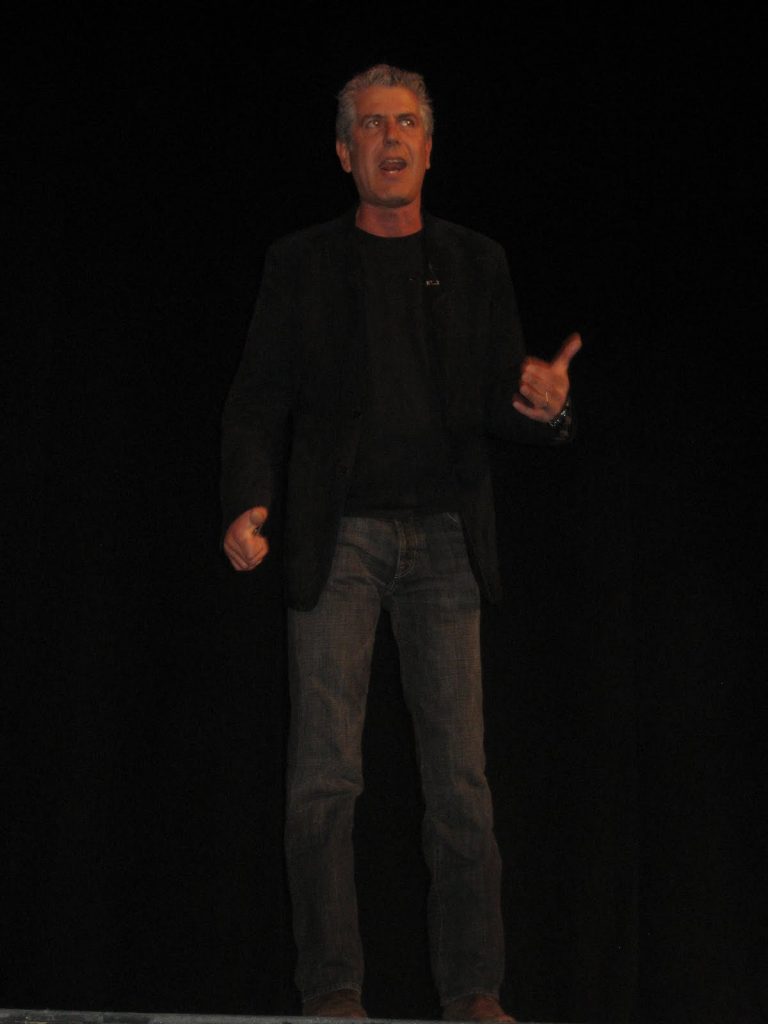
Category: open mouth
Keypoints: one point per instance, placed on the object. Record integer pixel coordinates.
(392, 165)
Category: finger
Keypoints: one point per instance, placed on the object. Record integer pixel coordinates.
(568, 350)
(542, 374)
(254, 550)
(531, 412)
(245, 566)
(247, 548)
(243, 563)
(535, 374)
(539, 394)
(550, 388)
(258, 516)
(236, 561)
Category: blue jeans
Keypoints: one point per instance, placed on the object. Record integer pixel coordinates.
(416, 568)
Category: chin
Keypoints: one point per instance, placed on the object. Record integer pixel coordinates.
(394, 202)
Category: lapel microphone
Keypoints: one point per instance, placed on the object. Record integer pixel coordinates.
(432, 280)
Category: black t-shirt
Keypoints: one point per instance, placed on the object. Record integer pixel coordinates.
(404, 459)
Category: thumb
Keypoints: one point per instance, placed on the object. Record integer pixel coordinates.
(568, 349)
(258, 516)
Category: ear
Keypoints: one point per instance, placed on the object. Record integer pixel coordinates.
(342, 151)
(428, 148)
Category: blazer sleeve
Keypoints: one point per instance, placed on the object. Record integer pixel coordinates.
(258, 406)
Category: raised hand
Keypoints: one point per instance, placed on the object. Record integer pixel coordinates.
(543, 387)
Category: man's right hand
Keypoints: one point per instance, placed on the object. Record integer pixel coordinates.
(244, 545)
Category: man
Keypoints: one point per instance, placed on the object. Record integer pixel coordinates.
(385, 344)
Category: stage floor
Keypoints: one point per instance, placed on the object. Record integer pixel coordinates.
(75, 1017)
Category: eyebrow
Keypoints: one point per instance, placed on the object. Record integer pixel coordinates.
(405, 113)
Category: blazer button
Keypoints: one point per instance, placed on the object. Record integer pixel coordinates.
(356, 414)
(341, 469)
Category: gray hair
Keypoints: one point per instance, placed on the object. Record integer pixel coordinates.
(380, 74)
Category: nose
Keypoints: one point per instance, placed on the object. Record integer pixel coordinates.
(392, 132)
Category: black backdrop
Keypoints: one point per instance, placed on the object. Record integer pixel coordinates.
(153, 159)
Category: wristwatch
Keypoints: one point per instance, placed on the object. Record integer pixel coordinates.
(562, 416)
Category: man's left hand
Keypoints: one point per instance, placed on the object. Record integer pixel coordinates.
(543, 387)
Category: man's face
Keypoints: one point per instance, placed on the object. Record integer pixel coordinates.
(389, 152)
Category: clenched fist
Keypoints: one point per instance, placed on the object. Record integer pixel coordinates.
(244, 545)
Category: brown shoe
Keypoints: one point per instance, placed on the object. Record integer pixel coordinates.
(476, 1007)
(345, 1002)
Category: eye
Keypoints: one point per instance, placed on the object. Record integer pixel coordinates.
(408, 121)
(372, 122)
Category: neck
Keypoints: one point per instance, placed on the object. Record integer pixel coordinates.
(389, 222)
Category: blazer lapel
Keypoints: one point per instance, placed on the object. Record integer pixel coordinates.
(344, 277)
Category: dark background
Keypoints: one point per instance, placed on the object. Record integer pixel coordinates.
(153, 158)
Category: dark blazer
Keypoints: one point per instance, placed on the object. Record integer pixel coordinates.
(296, 400)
